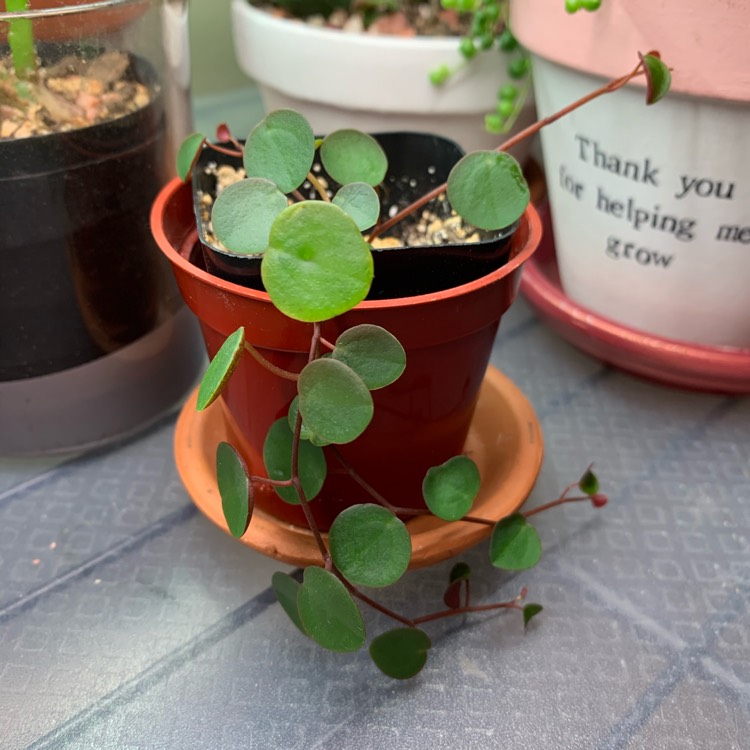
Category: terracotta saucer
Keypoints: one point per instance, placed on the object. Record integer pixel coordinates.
(505, 440)
(676, 363)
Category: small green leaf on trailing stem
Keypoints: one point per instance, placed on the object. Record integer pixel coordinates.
(449, 489)
(235, 489)
(243, 213)
(352, 156)
(658, 77)
(277, 457)
(304, 434)
(287, 590)
(369, 545)
(373, 353)
(529, 611)
(361, 202)
(335, 404)
(401, 653)
(187, 154)
(488, 189)
(460, 572)
(589, 483)
(328, 613)
(515, 544)
(317, 264)
(280, 148)
(221, 368)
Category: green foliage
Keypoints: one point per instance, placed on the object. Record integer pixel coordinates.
(307, 8)
(188, 153)
(234, 488)
(317, 264)
(401, 653)
(488, 189)
(287, 592)
(352, 156)
(304, 434)
(515, 544)
(221, 368)
(280, 148)
(458, 581)
(370, 546)
(21, 40)
(335, 404)
(529, 611)
(277, 457)
(658, 77)
(328, 613)
(243, 213)
(589, 483)
(361, 202)
(373, 353)
(449, 489)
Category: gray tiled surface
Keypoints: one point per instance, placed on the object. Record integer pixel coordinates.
(128, 621)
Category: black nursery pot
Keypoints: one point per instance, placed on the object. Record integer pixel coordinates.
(417, 163)
(80, 277)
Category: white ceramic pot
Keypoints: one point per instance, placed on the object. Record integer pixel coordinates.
(370, 82)
(650, 204)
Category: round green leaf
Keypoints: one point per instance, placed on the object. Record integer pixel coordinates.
(280, 148)
(353, 156)
(401, 653)
(317, 264)
(361, 202)
(234, 488)
(449, 489)
(373, 353)
(459, 572)
(488, 189)
(515, 544)
(243, 213)
(369, 545)
(328, 613)
(187, 154)
(287, 590)
(277, 457)
(658, 77)
(335, 404)
(220, 369)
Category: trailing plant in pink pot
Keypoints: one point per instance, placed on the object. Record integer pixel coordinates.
(351, 435)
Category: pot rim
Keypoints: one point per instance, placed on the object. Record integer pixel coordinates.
(530, 223)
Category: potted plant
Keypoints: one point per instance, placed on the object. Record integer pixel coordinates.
(450, 71)
(651, 203)
(90, 108)
(347, 414)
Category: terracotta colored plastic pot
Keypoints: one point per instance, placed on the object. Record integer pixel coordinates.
(420, 421)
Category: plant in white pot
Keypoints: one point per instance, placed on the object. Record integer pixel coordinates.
(90, 107)
(306, 388)
(654, 206)
(382, 81)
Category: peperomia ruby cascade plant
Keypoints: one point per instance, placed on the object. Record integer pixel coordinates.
(316, 264)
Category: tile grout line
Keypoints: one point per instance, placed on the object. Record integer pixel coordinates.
(161, 669)
(162, 526)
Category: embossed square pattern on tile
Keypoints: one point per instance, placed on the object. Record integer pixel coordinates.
(128, 621)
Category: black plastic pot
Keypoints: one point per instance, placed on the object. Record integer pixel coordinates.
(80, 273)
(417, 163)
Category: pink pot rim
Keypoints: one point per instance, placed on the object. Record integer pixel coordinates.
(705, 43)
(530, 226)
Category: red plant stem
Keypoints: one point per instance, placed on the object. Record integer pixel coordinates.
(466, 610)
(224, 150)
(608, 88)
(271, 482)
(258, 357)
(378, 606)
(554, 503)
(327, 344)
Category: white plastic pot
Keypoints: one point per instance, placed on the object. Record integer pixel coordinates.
(649, 204)
(370, 82)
